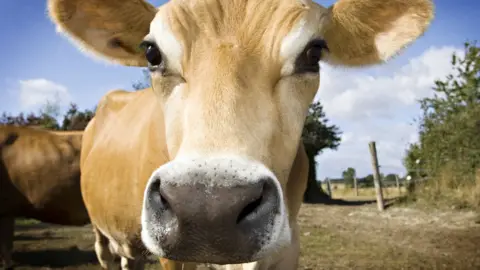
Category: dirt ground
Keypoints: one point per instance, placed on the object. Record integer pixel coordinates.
(333, 237)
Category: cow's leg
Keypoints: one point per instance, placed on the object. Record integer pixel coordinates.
(167, 264)
(136, 264)
(6, 241)
(243, 266)
(173, 265)
(104, 255)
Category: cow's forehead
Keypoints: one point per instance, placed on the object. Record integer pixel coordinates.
(266, 27)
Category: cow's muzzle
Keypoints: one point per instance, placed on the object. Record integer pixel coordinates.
(222, 211)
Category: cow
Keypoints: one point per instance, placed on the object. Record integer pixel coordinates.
(40, 179)
(207, 166)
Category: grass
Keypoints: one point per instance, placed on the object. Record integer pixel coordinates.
(26, 221)
(449, 189)
(332, 237)
(362, 238)
(366, 194)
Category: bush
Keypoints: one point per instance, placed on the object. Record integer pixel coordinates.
(449, 145)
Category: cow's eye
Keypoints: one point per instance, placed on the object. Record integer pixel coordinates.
(311, 55)
(314, 51)
(152, 55)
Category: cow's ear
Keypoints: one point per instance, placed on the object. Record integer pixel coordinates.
(111, 29)
(368, 32)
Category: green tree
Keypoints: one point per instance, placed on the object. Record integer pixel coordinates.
(317, 135)
(144, 82)
(75, 119)
(412, 154)
(19, 120)
(449, 126)
(391, 177)
(47, 116)
(348, 176)
(366, 181)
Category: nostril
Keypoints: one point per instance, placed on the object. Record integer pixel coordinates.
(253, 207)
(249, 209)
(263, 205)
(156, 195)
(164, 202)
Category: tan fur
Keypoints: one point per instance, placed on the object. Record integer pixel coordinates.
(355, 25)
(39, 178)
(350, 26)
(230, 93)
(74, 13)
(125, 226)
(129, 129)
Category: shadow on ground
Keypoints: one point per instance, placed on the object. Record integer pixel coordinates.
(46, 235)
(54, 258)
(34, 226)
(60, 258)
(41, 225)
(36, 237)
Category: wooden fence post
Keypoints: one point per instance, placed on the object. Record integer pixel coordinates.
(398, 185)
(355, 184)
(376, 176)
(329, 188)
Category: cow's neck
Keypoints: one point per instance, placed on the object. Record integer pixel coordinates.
(151, 138)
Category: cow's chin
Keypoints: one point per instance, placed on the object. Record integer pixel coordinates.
(203, 247)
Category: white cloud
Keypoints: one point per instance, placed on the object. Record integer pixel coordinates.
(378, 108)
(352, 97)
(36, 92)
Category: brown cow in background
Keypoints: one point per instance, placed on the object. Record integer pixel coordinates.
(40, 179)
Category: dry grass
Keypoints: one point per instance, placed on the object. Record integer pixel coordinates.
(361, 238)
(366, 194)
(451, 189)
(332, 237)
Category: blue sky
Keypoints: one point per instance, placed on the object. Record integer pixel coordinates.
(35, 56)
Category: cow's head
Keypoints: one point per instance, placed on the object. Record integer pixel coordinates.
(235, 78)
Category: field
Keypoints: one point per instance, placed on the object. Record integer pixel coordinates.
(333, 237)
